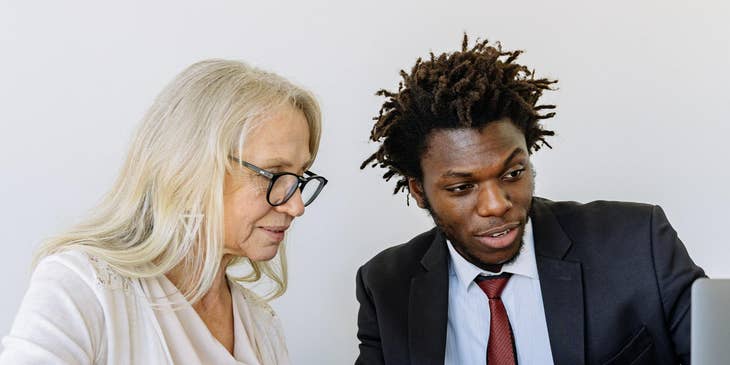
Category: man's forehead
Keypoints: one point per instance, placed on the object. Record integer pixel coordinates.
(497, 138)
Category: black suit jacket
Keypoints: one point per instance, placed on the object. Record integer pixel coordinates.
(615, 282)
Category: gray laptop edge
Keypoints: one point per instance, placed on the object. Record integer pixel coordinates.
(710, 322)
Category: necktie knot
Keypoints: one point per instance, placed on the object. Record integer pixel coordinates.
(492, 286)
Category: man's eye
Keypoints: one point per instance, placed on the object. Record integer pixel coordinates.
(460, 188)
(514, 174)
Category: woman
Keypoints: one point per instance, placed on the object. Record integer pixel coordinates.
(213, 178)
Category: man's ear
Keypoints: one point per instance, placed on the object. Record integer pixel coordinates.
(416, 189)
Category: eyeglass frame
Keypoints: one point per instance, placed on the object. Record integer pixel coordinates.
(273, 176)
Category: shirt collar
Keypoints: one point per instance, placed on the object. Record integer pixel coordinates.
(524, 265)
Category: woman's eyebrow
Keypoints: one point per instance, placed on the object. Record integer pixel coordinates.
(283, 163)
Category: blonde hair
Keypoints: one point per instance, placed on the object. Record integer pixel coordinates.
(165, 209)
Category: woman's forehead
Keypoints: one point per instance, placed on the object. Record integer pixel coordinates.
(282, 139)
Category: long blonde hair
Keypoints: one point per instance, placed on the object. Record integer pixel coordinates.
(166, 207)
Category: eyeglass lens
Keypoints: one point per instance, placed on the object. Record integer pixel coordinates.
(285, 186)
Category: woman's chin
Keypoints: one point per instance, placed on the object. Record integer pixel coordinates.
(264, 253)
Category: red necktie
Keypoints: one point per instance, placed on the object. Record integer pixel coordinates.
(500, 347)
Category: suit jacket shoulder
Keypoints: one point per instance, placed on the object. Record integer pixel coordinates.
(634, 275)
(395, 260)
(403, 296)
(616, 233)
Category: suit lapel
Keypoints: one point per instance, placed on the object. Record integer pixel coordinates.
(561, 284)
(427, 307)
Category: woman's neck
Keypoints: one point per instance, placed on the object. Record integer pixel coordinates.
(218, 293)
(215, 308)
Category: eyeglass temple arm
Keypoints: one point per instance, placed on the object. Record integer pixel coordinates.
(253, 167)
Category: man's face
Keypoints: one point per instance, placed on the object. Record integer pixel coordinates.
(478, 186)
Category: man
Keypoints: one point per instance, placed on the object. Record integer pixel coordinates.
(506, 277)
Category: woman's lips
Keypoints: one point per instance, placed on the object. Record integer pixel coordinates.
(276, 233)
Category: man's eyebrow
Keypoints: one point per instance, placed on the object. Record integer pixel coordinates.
(452, 173)
(458, 174)
(512, 155)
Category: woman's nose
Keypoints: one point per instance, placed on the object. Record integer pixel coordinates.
(294, 206)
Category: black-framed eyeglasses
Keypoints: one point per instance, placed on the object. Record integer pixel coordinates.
(283, 185)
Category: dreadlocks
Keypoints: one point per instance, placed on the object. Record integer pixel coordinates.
(466, 89)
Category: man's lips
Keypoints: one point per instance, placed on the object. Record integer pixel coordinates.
(499, 237)
(496, 231)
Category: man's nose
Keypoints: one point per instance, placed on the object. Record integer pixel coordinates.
(493, 200)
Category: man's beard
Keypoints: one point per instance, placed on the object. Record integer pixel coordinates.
(461, 247)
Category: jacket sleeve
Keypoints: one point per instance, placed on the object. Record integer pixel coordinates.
(675, 273)
(60, 320)
(368, 333)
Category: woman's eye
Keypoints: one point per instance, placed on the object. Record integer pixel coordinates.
(514, 174)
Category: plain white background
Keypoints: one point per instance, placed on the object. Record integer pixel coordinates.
(642, 116)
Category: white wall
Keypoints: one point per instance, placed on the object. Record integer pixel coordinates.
(642, 116)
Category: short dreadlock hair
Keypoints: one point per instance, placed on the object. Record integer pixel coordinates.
(466, 89)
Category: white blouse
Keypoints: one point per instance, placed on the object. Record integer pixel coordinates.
(79, 311)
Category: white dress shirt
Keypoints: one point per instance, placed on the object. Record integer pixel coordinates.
(467, 332)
